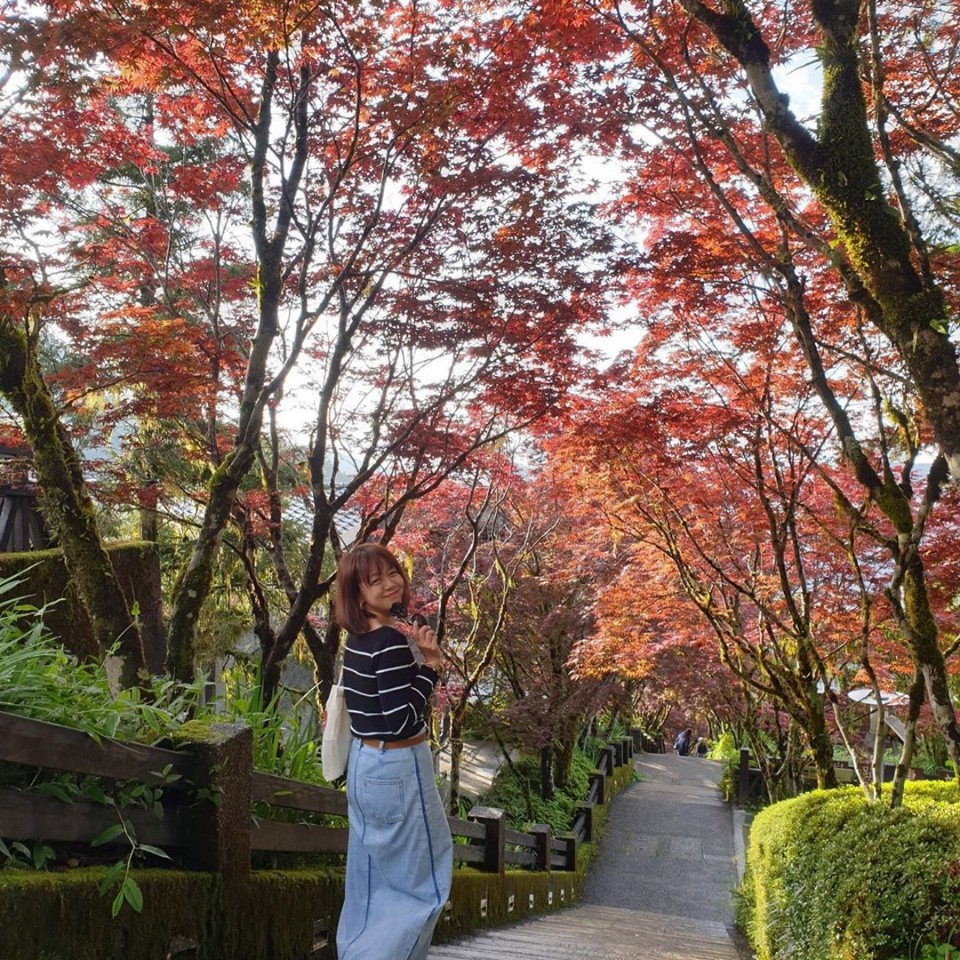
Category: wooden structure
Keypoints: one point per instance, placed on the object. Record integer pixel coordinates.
(483, 840)
(21, 525)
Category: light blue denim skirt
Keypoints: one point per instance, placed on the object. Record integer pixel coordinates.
(399, 855)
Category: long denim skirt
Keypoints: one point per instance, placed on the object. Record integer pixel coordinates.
(399, 855)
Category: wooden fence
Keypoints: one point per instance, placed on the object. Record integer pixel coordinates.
(220, 831)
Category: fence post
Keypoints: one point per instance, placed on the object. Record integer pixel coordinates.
(743, 785)
(570, 854)
(587, 810)
(600, 779)
(611, 753)
(219, 830)
(495, 836)
(541, 833)
(627, 748)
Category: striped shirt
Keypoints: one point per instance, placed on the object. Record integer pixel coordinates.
(385, 688)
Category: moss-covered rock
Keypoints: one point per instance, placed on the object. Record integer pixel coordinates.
(137, 566)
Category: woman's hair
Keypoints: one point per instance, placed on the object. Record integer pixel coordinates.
(356, 567)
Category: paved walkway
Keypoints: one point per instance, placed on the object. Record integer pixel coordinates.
(660, 887)
(479, 764)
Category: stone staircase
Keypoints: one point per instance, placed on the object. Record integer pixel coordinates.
(592, 932)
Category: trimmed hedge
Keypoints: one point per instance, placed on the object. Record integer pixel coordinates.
(833, 877)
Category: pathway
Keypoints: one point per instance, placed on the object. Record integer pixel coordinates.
(660, 887)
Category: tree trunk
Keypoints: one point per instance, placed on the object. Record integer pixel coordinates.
(67, 506)
(821, 746)
(456, 755)
(840, 167)
(910, 740)
(193, 584)
(546, 772)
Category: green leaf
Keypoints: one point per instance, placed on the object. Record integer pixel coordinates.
(156, 851)
(117, 904)
(111, 833)
(42, 855)
(111, 876)
(95, 793)
(55, 790)
(131, 893)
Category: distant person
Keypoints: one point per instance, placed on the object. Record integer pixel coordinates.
(701, 747)
(682, 743)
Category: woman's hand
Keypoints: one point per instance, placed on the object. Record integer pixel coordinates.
(427, 642)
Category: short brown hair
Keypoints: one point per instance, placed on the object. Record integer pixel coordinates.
(356, 567)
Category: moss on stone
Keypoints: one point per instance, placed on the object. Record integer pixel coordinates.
(46, 580)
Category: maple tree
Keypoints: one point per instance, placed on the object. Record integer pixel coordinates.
(547, 706)
(711, 461)
(490, 554)
(355, 193)
(469, 547)
(840, 221)
(737, 557)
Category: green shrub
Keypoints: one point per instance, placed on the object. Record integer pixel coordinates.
(39, 679)
(833, 877)
(725, 748)
(516, 791)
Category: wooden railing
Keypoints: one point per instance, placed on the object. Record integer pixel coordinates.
(219, 832)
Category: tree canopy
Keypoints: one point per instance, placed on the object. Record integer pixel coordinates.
(280, 275)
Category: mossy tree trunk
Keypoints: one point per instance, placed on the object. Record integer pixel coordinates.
(66, 503)
(902, 771)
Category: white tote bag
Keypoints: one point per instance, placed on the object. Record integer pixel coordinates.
(337, 738)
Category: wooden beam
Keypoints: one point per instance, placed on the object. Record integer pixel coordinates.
(32, 816)
(47, 745)
(281, 792)
(297, 837)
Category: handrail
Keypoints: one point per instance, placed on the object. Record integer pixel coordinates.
(484, 839)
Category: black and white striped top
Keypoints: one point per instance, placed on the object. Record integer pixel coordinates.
(385, 688)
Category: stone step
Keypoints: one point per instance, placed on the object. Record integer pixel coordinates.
(592, 932)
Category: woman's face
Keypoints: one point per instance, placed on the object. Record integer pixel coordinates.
(379, 593)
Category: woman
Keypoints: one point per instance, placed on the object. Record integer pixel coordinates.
(399, 852)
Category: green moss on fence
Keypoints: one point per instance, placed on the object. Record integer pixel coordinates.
(61, 916)
(482, 900)
(276, 915)
(281, 915)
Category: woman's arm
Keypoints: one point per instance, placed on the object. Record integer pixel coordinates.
(403, 685)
